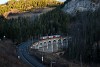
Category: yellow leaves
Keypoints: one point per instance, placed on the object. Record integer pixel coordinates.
(24, 5)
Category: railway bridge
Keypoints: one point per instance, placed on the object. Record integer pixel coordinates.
(51, 43)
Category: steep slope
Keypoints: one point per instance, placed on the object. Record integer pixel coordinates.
(84, 28)
(8, 56)
(74, 6)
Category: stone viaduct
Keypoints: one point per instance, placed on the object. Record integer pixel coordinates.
(51, 43)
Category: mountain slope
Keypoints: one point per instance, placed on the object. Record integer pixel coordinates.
(74, 6)
(84, 28)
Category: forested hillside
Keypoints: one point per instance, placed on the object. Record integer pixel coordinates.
(27, 5)
(83, 28)
(85, 32)
(15, 31)
(21, 29)
(54, 22)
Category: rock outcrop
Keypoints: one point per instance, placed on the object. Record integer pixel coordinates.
(80, 5)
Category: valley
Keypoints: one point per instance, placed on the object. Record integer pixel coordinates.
(29, 30)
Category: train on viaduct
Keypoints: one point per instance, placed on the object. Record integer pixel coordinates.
(50, 44)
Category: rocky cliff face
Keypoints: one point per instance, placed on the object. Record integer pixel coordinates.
(80, 5)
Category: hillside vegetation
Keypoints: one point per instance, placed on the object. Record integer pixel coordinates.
(21, 29)
(53, 22)
(83, 28)
(85, 33)
(27, 5)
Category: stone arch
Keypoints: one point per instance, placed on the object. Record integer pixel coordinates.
(59, 44)
(49, 42)
(64, 43)
(49, 46)
(59, 41)
(41, 47)
(45, 47)
(45, 43)
(54, 41)
(55, 46)
(40, 44)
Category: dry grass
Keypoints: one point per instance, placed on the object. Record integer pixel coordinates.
(32, 13)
